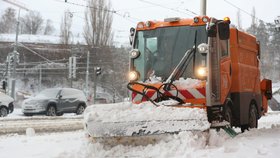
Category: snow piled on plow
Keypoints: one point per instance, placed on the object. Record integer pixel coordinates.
(106, 118)
(126, 111)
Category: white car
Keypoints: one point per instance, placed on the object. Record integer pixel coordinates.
(55, 102)
(6, 104)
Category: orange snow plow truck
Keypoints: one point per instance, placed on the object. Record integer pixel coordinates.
(224, 58)
(200, 63)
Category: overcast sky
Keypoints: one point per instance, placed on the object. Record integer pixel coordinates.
(129, 12)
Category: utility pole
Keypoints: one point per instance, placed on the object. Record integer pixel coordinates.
(203, 7)
(87, 74)
(14, 55)
(40, 76)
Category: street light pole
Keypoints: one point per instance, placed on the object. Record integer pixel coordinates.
(87, 74)
(15, 59)
(14, 54)
(202, 7)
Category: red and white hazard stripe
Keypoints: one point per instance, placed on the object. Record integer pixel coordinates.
(191, 93)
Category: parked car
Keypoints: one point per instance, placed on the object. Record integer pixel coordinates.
(6, 104)
(55, 102)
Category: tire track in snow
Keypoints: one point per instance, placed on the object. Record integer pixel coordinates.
(40, 125)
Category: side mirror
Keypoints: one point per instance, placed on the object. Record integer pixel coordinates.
(223, 28)
(211, 30)
(60, 96)
(132, 32)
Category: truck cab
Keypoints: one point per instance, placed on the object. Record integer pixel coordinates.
(221, 62)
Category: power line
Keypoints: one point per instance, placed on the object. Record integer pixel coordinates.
(129, 18)
(235, 6)
(159, 5)
(93, 7)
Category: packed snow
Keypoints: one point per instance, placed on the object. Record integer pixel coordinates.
(127, 119)
(127, 111)
(261, 143)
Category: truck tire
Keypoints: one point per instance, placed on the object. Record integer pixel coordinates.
(3, 111)
(51, 111)
(228, 115)
(253, 117)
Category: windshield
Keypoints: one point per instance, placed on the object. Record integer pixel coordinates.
(163, 48)
(49, 93)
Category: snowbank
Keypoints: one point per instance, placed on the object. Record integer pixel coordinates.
(126, 119)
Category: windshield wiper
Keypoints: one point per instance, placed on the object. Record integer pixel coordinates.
(183, 64)
(180, 68)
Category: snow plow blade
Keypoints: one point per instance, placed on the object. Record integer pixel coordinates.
(103, 121)
(143, 128)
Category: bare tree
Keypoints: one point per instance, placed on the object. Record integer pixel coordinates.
(49, 29)
(8, 21)
(98, 23)
(65, 28)
(32, 23)
(253, 28)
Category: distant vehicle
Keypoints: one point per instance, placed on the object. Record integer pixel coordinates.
(6, 104)
(55, 102)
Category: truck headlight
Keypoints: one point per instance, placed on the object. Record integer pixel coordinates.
(134, 53)
(202, 72)
(133, 75)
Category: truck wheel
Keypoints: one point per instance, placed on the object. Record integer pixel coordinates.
(253, 120)
(243, 128)
(51, 111)
(228, 115)
(80, 109)
(3, 111)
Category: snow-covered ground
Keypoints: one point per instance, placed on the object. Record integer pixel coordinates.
(262, 142)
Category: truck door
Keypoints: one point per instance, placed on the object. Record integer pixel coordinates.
(219, 65)
(225, 69)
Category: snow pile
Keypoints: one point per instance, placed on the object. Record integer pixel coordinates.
(154, 79)
(30, 132)
(182, 83)
(126, 111)
(260, 143)
(127, 119)
(188, 83)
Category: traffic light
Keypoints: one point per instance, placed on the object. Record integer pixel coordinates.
(97, 71)
(4, 85)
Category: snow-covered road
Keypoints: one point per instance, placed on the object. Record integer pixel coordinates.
(40, 125)
(17, 123)
(261, 143)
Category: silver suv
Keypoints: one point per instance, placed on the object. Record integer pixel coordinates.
(55, 102)
(6, 104)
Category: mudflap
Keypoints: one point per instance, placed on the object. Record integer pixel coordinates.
(144, 128)
(225, 126)
(231, 132)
